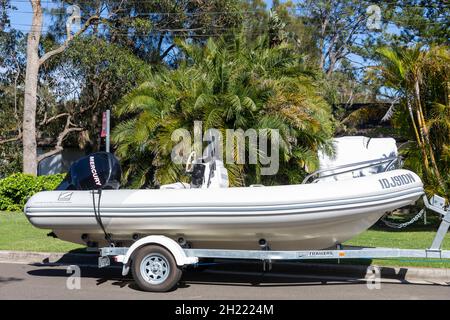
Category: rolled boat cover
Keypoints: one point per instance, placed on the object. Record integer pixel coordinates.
(353, 149)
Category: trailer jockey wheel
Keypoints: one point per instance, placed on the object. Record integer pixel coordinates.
(154, 269)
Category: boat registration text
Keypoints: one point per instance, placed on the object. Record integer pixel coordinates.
(397, 181)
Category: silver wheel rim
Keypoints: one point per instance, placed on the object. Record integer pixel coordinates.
(155, 268)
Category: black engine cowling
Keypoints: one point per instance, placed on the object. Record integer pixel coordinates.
(100, 170)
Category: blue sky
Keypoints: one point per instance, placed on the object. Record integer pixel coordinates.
(21, 16)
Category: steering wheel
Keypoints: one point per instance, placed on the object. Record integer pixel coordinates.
(190, 160)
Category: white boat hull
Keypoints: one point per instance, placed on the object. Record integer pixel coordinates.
(294, 217)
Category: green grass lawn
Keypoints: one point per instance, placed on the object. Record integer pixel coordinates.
(16, 233)
(377, 237)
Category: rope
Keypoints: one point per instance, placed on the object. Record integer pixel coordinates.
(98, 217)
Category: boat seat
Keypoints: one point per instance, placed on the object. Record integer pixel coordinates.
(220, 176)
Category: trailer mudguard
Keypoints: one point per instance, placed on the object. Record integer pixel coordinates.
(174, 248)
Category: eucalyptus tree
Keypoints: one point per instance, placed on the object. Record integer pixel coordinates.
(337, 27)
(418, 21)
(148, 28)
(35, 60)
(5, 6)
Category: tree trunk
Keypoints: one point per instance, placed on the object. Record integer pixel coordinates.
(30, 159)
(416, 132)
(31, 83)
(424, 130)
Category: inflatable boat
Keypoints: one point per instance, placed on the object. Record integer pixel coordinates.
(89, 208)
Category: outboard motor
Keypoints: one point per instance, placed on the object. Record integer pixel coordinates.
(100, 170)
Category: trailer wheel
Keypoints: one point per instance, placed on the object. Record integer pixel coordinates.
(154, 269)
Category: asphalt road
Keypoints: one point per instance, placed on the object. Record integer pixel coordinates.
(22, 281)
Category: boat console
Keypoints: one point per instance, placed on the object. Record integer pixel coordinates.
(206, 173)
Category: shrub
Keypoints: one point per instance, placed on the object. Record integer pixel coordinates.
(16, 189)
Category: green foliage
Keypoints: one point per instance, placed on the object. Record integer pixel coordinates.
(226, 85)
(10, 126)
(12, 61)
(229, 83)
(18, 187)
(426, 22)
(420, 76)
(103, 71)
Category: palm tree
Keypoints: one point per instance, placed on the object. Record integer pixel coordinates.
(226, 85)
(421, 77)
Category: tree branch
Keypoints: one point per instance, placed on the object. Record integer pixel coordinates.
(58, 148)
(46, 121)
(166, 52)
(17, 138)
(66, 43)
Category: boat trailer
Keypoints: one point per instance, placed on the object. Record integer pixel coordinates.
(158, 260)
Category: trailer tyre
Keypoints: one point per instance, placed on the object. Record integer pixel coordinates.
(154, 269)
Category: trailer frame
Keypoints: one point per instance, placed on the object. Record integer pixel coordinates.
(184, 255)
